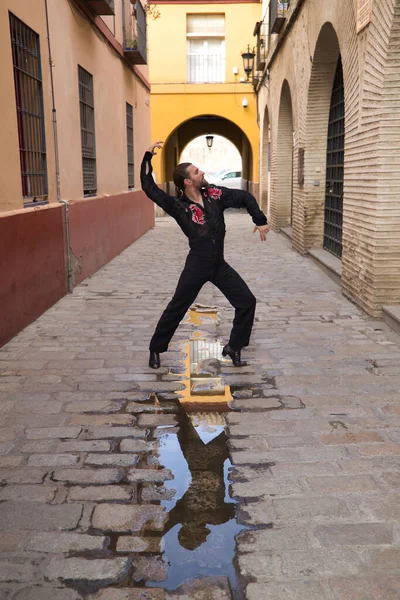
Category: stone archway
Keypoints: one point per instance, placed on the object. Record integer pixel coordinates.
(282, 164)
(265, 163)
(203, 125)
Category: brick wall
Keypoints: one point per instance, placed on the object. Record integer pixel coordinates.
(304, 67)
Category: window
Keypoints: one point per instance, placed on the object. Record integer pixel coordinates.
(30, 115)
(129, 138)
(205, 48)
(88, 141)
(232, 174)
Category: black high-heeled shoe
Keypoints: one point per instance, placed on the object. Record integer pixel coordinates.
(154, 360)
(234, 355)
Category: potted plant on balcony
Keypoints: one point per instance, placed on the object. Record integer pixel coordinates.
(131, 43)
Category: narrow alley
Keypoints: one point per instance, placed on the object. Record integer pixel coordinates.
(102, 495)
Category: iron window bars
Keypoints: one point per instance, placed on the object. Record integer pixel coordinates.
(30, 114)
(333, 219)
(88, 140)
(129, 137)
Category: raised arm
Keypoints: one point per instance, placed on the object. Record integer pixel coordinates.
(149, 186)
(242, 199)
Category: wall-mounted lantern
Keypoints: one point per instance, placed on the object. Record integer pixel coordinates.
(248, 61)
(209, 140)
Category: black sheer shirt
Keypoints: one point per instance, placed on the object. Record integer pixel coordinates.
(198, 222)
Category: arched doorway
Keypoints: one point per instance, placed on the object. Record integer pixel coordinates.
(324, 150)
(333, 218)
(282, 177)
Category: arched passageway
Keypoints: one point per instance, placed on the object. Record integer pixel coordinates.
(204, 125)
(222, 158)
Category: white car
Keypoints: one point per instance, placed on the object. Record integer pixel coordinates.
(229, 179)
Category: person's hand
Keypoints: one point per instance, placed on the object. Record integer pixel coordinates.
(263, 230)
(154, 146)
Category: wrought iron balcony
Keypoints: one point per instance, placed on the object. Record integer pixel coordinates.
(135, 33)
(277, 15)
(260, 30)
(102, 7)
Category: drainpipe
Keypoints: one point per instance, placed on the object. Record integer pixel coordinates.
(56, 160)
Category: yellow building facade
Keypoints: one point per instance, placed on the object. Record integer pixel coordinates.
(198, 85)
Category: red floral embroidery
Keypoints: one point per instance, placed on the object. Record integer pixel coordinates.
(197, 214)
(214, 193)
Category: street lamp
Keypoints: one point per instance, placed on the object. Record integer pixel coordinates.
(248, 62)
(209, 139)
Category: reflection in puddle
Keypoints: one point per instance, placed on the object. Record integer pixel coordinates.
(204, 387)
(200, 532)
(201, 315)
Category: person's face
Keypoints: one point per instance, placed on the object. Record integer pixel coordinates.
(195, 177)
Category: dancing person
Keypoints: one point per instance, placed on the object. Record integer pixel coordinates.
(199, 211)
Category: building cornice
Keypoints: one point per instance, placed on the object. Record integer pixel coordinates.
(186, 89)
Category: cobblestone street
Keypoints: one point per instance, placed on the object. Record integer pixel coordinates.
(314, 435)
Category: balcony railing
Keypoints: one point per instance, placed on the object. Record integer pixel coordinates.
(261, 31)
(102, 7)
(135, 33)
(205, 68)
(277, 15)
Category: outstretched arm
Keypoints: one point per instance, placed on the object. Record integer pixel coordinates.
(242, 199)
(149, 186)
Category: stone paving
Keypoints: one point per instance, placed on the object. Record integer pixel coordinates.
(314, 435)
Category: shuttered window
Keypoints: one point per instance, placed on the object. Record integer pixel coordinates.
(205, 24)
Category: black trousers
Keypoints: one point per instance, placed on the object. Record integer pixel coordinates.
(198, 270)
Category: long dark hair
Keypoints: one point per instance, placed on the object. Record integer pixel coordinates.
(178, 176)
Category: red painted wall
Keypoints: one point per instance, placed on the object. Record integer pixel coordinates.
(32, 261)
(101, 228)
(32, 267)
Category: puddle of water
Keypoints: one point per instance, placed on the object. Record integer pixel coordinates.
(201, 530)
(199, 537)
(204, 389)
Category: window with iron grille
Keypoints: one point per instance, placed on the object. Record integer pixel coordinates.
(333, 221)
(30, 114)
(129, 138)
(88, 140)
(205, 34)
